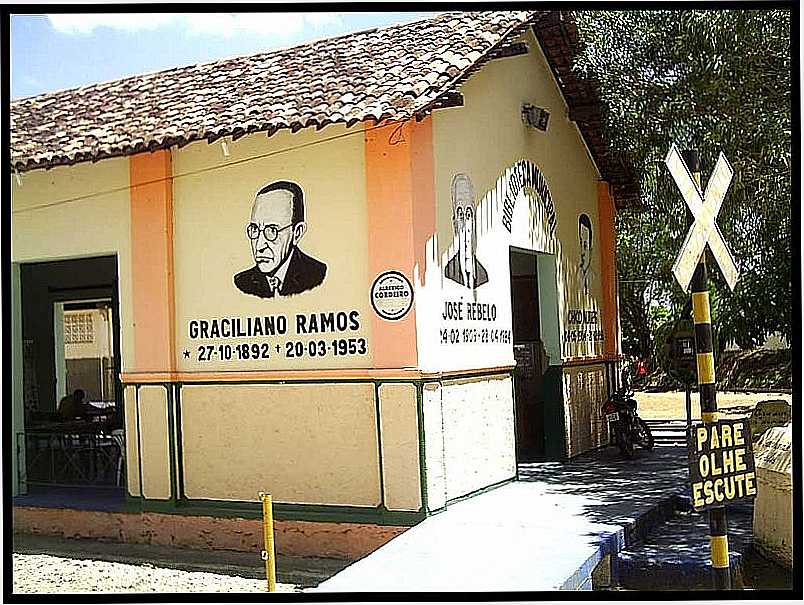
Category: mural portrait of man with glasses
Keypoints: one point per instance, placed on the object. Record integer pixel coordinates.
(277, 225)
(464, 268)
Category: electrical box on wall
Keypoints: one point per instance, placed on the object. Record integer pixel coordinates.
(536, 117)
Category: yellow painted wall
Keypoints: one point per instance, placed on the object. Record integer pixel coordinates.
(132, 443)
(310, 443)
(482, 139)
(212, 205)
(73, 212)
(487, 135)
(400, 446)
(314, 444)
(154, 441)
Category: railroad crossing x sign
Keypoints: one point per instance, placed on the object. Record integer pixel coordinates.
(705, 210)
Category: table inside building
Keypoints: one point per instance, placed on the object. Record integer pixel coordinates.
(77, 452)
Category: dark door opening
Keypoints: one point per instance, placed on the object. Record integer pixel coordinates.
(71, 342)
(528, 353)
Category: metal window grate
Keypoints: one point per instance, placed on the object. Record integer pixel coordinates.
(78, 328)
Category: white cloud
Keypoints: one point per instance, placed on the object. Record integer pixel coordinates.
(86, 24)
(224, 25)
(323, 19)
(283, 24)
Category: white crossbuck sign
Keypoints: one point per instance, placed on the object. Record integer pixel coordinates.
(705, 210)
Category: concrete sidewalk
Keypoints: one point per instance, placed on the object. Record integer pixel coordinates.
(547, 531)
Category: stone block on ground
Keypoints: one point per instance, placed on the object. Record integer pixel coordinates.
(768, 414)
(773, 509)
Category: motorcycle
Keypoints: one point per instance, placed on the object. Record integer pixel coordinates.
(625, 425)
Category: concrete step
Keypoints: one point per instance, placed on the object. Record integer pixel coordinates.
(668, 431)
(675, 555)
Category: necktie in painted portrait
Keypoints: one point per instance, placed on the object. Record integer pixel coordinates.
(274, 282)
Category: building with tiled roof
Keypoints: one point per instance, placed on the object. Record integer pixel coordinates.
(396, 73)
(369, 275)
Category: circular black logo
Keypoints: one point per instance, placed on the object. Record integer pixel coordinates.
(391, 295)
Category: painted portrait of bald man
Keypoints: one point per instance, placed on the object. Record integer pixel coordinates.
(464, 268)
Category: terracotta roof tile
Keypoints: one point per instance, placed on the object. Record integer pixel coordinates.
(396, 72)
(393, 72)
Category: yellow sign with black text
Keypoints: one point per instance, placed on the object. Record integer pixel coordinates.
(721, 462)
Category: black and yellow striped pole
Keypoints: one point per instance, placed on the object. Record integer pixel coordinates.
(704, 349)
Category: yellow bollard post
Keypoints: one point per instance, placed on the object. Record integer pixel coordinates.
(268, 535)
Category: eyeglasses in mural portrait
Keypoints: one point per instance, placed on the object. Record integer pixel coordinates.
(277, 225)
(464, 268)
(585, 244)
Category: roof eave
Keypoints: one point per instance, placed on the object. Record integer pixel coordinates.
(51, 161)
(557, 37)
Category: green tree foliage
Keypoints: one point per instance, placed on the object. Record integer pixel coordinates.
(715, 80)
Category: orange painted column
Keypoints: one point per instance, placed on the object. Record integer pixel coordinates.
(608, 267)
(151, 182)
(400, 189)
(424, 201)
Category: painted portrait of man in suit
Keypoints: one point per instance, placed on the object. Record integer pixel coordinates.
(276, 227)
(585, 243)
(464, 268)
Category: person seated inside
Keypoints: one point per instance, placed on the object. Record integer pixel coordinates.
(72, 406)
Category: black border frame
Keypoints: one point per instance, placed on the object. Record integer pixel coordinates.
(5, 229)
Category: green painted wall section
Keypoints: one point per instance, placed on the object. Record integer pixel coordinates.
(548, 306)
(282, 511)
(555, 446)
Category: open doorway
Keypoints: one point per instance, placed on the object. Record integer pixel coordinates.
(74, 427)
(84, 353)
(530, 357)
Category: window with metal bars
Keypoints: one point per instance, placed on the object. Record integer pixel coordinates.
(78, 328)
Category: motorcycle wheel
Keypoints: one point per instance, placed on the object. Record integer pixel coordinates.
(625, 444)
(645, 437)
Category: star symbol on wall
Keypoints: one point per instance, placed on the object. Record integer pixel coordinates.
(186, 354)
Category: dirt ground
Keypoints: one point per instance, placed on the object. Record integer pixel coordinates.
(48, 574)
(670, 405)
(50, 564)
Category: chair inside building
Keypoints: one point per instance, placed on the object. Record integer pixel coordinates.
(74, 436)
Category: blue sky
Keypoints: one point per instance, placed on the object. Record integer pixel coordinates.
(54, 52)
